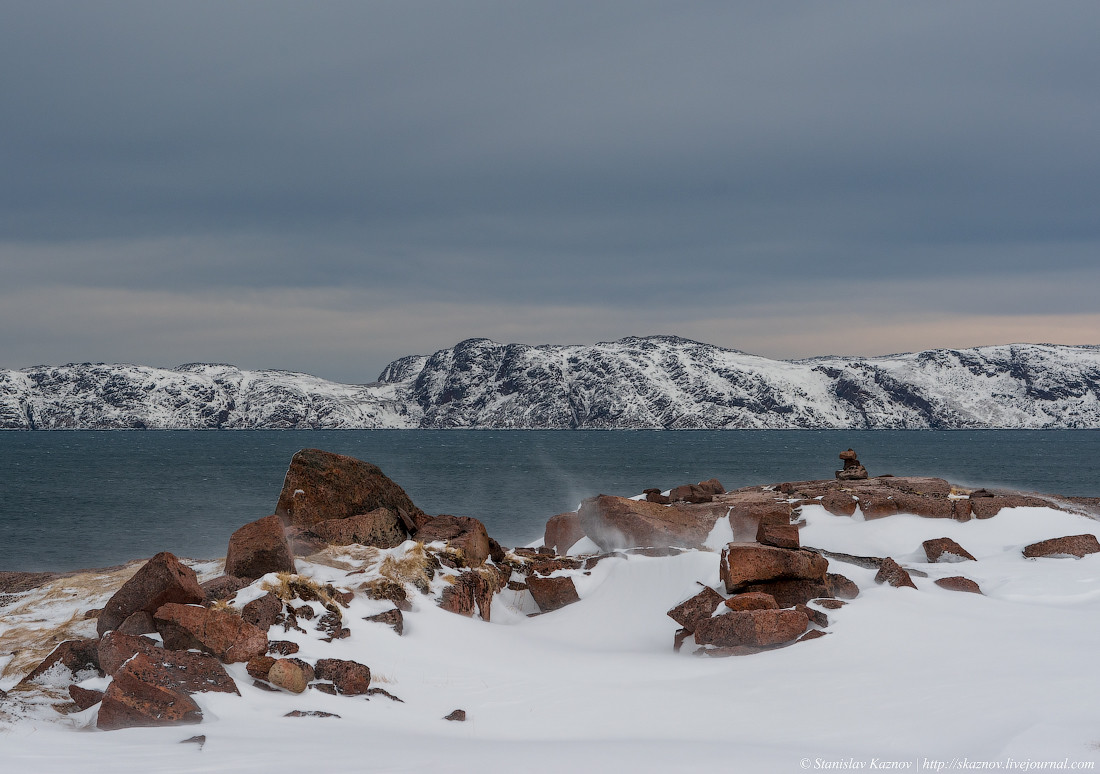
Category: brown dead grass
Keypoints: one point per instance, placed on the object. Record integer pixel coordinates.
(41, 619)
(414, 567)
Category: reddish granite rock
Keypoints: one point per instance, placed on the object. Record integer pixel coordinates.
(161, 580)
(962, 510)
(654, 496)
(469, 591)
(218, 632)
(840, 586)
(223, 587)
(391, 618)
(288, 674)
(690, 493)
(893, 573)
(816, 616)
(259, 666)
(702, 605)
(756, 628)
(381, 528)
(282, 647)
(321, 485)
(830, 604)
(384, 588)
(778, 535)
(291, 674)
(562, 531)
(877, 507)
(619, 522)
(179, 670)
(790, 592)
(989, 506)
(813, 634)
(350, 677)
(138, 623)
(457, 715)
(263, 612)
(745, 563)
(1071, 545)
(85, 697)
(552, 593)
(752, 600)
(958, 583)
(945, 550)
(258, 548)
(115, 648)
(839, 503)
(303, 542)
(461, 533)
(74, 656)
(679, 637)
(131, 702)
(712, 486)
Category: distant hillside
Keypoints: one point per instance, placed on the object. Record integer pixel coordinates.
(652, 382)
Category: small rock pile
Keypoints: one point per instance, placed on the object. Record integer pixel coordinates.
(771, 583)
(853, 470)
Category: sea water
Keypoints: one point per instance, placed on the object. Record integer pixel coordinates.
(80, 499)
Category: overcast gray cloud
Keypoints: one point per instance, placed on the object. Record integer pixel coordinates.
(324, 186)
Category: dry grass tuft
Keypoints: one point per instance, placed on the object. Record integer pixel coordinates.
(291, 586)
(416, 567)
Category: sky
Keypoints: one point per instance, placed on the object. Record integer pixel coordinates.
(328, 186)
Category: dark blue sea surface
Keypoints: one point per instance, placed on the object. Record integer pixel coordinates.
(71, 500)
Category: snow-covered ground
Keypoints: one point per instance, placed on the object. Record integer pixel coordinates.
(912, 676)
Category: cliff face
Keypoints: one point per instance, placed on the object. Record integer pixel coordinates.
(653, 382)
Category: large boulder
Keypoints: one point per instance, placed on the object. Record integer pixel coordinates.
(562, 531)
(755, 628)
(552, 593)
(180, 670)
(320, 485)
(1071, 545)
(619, 522)
(130, 701)
(220, 633)
(460, 533)
(746, 563)
(258, 548)
(381, 528)
(161, 580)
(116, 648)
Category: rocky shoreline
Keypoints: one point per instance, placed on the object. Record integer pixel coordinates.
(346, 547)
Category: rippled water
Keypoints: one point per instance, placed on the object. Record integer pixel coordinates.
(87, 499)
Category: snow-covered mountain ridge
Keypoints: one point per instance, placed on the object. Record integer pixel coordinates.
(652, 382)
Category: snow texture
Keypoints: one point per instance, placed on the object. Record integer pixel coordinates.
(657, 382)
(903, 674)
